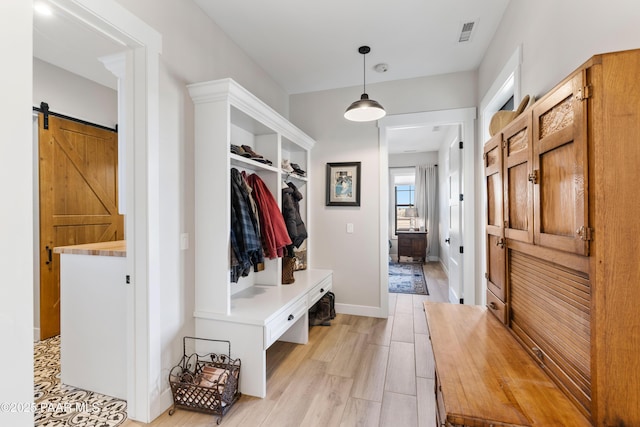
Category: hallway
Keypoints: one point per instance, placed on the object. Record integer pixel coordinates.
(359, 371)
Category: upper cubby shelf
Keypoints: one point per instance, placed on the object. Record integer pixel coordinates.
(247, 163)
(249, 112)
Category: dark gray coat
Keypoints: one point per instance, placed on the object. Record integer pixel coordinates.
(291, 197)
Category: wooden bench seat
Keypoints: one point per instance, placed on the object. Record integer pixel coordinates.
(485, 378)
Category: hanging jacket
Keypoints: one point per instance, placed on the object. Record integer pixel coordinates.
(244, 235)
(296, 228)
(272, 227)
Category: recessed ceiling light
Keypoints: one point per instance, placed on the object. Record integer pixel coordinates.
(43, 9)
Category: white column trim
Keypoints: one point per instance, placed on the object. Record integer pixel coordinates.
(117, 65)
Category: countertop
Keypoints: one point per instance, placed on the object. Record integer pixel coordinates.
(116, 248)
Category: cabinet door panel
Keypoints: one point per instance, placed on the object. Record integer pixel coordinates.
(561, 191)
(496, 261)
(493, 181)
(495, 273)
(494, 200)
(518, 190)
(560, 163)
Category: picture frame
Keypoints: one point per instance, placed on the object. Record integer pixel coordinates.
(343, 184)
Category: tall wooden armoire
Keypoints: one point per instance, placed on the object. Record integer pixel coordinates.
(563, 235)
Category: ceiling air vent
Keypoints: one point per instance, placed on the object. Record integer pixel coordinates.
(465, 34)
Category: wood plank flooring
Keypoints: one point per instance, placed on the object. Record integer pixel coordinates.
(360, 371)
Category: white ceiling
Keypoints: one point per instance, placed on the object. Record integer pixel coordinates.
(308, 46)
(311, 46)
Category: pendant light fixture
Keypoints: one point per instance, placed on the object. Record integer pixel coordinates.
(364, 109)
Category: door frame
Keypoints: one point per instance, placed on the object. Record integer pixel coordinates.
(456, 290)
(506, 84)
(143, 45)
(465, 117)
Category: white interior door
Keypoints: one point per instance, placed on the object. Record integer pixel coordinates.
(454, 238)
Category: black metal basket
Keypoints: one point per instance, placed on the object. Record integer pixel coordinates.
(205, 383)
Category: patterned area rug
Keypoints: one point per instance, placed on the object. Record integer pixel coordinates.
(407, 278)
(58, 405)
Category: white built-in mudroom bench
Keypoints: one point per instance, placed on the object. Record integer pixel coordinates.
(257, 310)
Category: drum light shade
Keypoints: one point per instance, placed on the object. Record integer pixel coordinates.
(364, 109)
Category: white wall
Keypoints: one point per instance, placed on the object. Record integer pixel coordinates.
(556, 38)
(354, 258)
(398, 160)
(194, 50)
(16, 216)
(73, 95)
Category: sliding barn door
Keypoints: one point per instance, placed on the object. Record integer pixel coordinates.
(78, 171)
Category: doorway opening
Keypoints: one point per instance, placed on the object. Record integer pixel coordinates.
(142, 45)
(464, 120)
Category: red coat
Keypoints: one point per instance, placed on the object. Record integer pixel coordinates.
(275, 237)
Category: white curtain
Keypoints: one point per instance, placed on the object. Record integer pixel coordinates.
(426, 187)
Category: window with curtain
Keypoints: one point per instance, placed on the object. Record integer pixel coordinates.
(404, 200)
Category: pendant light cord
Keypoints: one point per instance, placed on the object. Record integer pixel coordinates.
(364, 73)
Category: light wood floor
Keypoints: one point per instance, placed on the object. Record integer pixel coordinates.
(360, 371)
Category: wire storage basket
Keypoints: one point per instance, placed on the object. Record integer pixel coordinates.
(205, 383)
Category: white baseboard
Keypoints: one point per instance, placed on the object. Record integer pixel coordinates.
(444, 267)
(36, 334)
(453, 297)
(164, 402)
(359, 310)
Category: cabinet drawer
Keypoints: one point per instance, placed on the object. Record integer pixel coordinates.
(496, 306)
(318, 290)
(279, 325)
(405, 243)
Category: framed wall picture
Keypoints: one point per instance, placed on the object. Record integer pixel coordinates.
(343, 184)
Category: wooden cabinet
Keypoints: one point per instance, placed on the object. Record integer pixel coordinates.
(569, 173)
(257, 310)
(412, 244)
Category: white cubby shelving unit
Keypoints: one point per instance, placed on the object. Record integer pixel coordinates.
(258, 310)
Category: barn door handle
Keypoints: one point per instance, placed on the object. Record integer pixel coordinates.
(49, 255)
